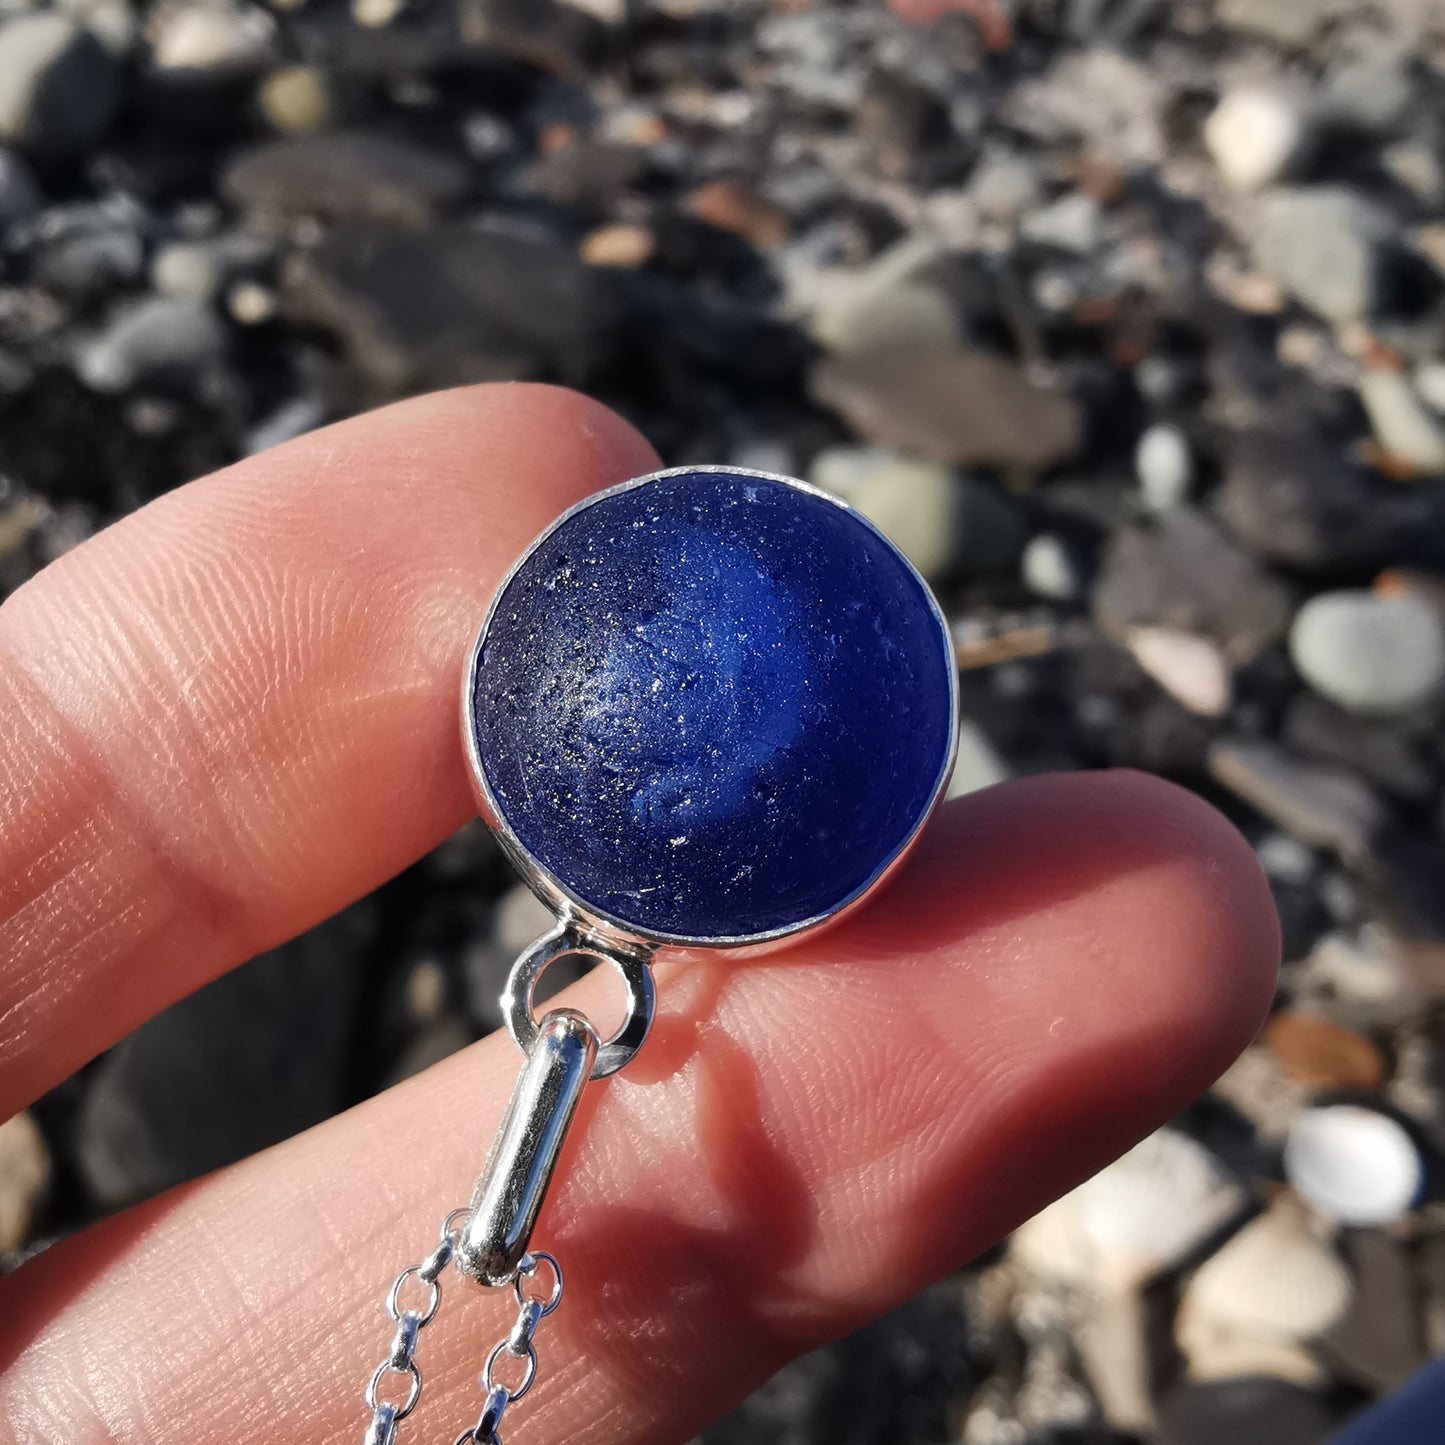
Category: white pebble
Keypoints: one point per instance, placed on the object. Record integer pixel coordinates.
(1402, 424)
(1188, 667)
(1376, 656)
(1165, 466)
(1359, 1167)
(1049, 570)
(1252, 136)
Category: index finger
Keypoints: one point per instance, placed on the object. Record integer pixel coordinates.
(233, 712)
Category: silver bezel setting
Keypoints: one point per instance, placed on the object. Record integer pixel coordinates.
(586, 919)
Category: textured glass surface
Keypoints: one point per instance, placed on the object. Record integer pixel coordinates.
(714, 705)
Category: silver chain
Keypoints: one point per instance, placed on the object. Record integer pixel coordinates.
(386, 1415)
(488, 1239)
(515, 1348)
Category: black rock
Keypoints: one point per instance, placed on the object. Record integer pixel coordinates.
(347, 176)
(1297, 498)
(1248, 1411)
(251, 1059)
(455, 304)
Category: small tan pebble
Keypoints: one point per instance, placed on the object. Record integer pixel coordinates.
(251, 303)
(638, 128)
(732, 206)
(24, 1178)
(376, 14)
(620, 245)
(295, 100)
(19, 521)
(1312, 1050)
(426, 990)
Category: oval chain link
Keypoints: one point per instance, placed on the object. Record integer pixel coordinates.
(387, 1414)
(516, 1347)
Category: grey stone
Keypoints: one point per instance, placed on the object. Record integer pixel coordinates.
(1185, 574)
(1098, 96)
(978, 763)
(86, 249)
(347, 175)
(895, 300)
(1292, 23)
(59, 86)
(157, 338)
(962, 407)
(1376, 656)
(454, 304)
(1325, 246)
(1369, 89)
(291, 419)
(1322, 806)
(251, 1059)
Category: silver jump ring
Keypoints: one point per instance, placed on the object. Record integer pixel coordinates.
(450, 1231)
(517, 1000)
(434, 1299)
(531, 1372)
(413, 1393)
(527, 1269)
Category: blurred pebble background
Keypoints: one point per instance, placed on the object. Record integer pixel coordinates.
(1125, 318)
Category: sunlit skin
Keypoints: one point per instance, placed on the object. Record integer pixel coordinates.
(235, 711)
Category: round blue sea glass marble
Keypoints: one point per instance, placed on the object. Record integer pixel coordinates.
(711, 707)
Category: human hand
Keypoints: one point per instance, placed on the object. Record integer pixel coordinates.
(235, 711)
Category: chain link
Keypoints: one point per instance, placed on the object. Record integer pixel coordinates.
(400, 1361)
(516, 1348)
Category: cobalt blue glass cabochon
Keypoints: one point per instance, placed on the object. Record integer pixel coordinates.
(711, 706)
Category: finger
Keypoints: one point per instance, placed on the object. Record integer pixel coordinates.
(801, 1144)
(235, 711)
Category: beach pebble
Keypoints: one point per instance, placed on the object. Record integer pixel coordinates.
(892, 301)
(187, 271)
(1314, 1051)
(1253, 134)
(24, 1179)
(1376, 656)
(1164, 464)
(1189, 667)
(951, 405)
(1050, 570)
(1357, 1166)
(59, 86)
(1324, 807)
(1403, 425)
(157, 337)
(211, 35)
(1323, 245)
(295, 99)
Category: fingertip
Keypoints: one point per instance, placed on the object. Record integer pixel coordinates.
(1213, 883)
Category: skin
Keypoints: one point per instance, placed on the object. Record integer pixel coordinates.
(235, 711)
